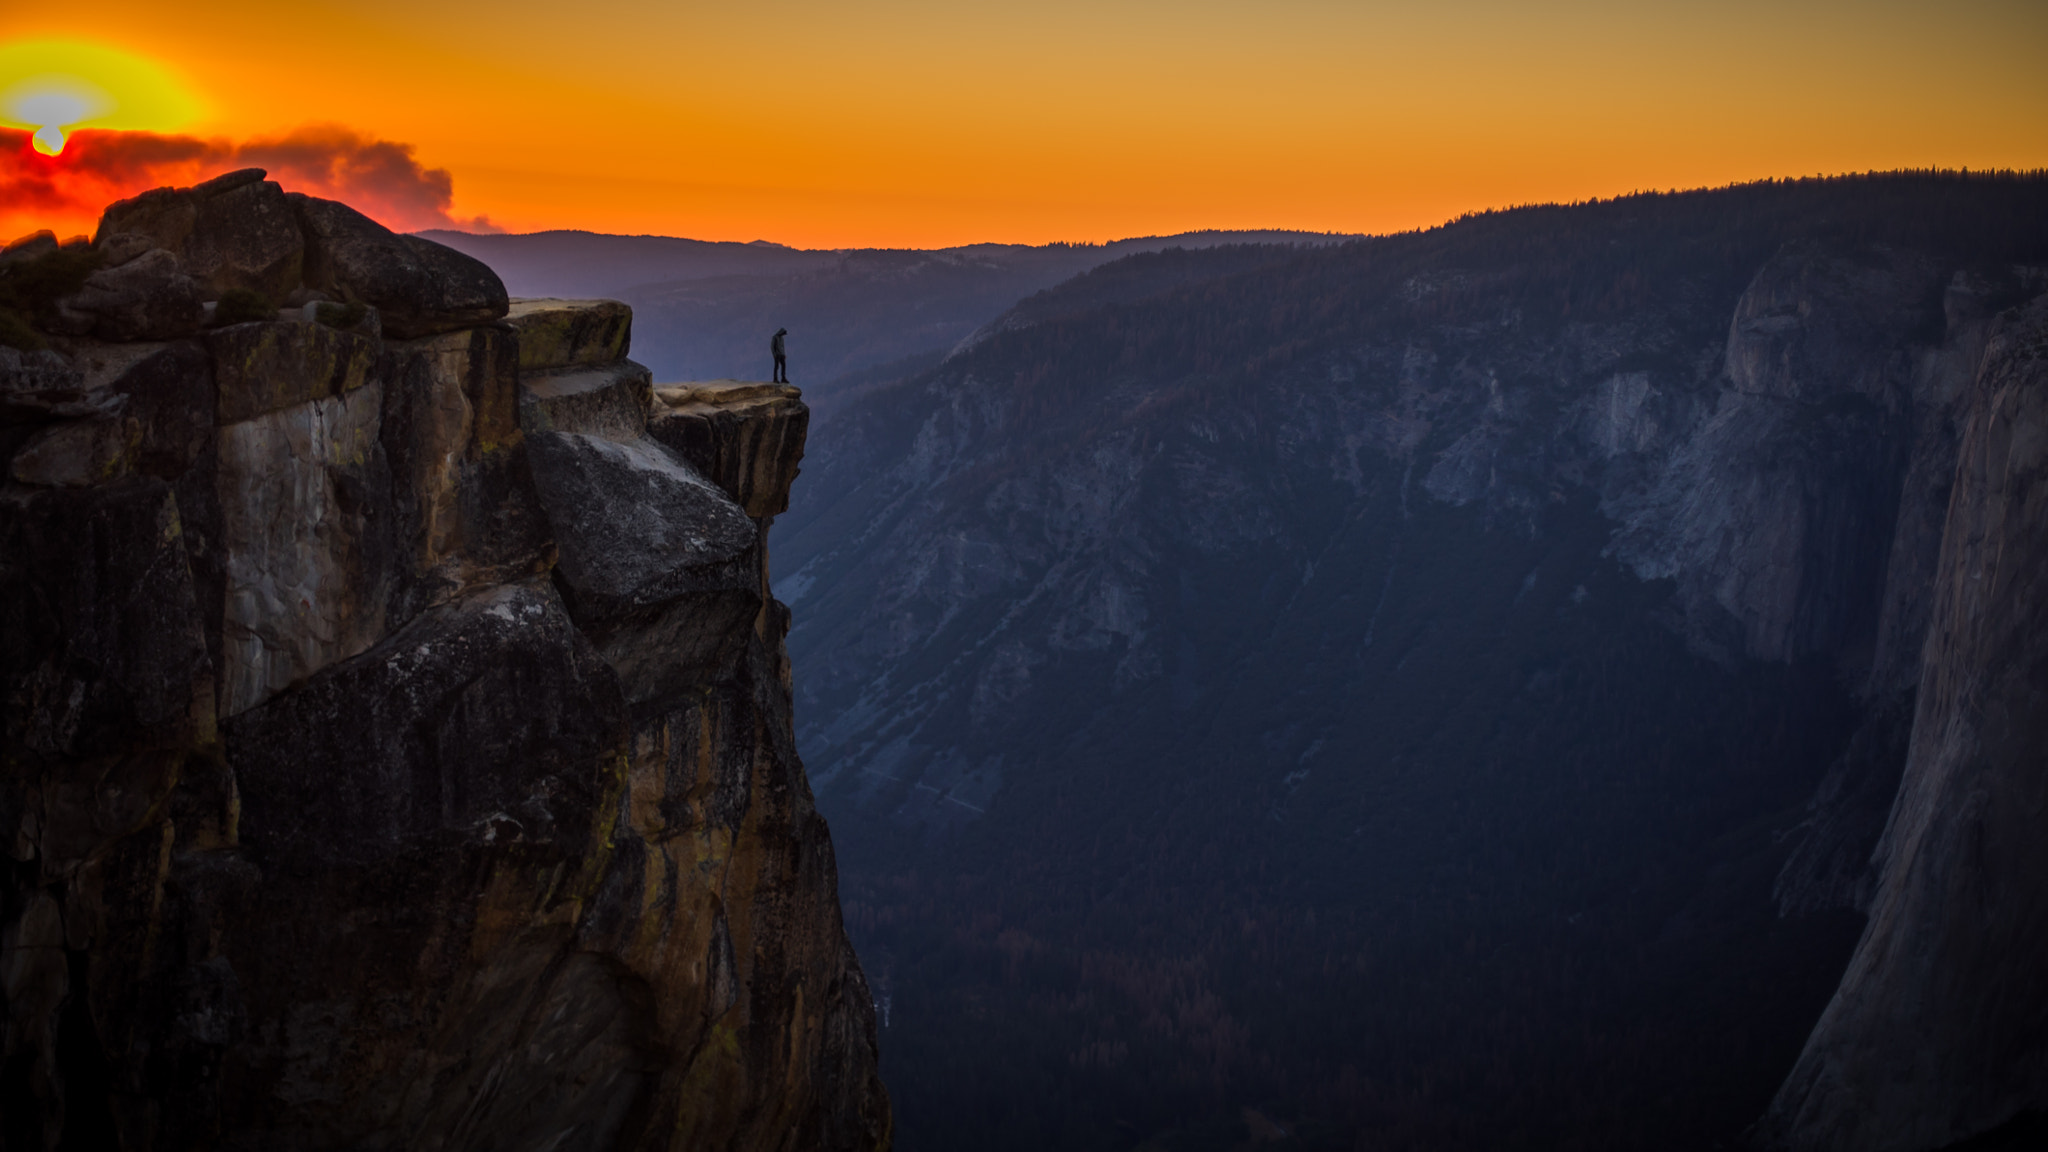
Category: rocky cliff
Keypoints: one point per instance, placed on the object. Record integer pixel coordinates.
(397, 746)
(1445, 691)
(1935, 1034)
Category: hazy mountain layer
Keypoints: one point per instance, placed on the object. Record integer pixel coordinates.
(1441, 691)
(706, 309)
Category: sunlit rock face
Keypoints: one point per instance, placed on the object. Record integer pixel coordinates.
(397, 743)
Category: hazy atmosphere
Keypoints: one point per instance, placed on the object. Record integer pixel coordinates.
(1113, 577)
(917, 123)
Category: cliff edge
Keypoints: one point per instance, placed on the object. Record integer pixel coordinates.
(397, 739)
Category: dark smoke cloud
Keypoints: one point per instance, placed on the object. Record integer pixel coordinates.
(381, 178)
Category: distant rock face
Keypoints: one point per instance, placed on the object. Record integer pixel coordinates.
(398, 754)
(1935, 1032)
(1775, 514)
(1282, 580)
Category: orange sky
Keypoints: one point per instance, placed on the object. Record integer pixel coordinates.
(918, 123)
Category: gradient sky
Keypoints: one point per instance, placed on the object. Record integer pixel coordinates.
(919, 123)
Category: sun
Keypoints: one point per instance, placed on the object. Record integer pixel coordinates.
(52, 86)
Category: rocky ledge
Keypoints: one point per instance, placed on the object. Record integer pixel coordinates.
(397, 739)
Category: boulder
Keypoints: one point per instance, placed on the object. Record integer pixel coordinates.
(147, 298)
(267, 366)
(610, 400)
(234, 231)
(559, 333)
(747, 438)
(420, 287)
(659, 568)
(630, 519)
(29, 247)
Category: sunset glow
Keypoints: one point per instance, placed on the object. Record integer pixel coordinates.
(910, 122)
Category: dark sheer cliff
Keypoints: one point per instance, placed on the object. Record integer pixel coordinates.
(398, 748)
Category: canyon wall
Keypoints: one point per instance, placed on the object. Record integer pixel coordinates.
(1448, 690)
(1935, 1033)
(398, 748)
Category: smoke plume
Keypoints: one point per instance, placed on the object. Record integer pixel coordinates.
(65, 193)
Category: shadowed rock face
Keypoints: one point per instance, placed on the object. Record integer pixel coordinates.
(234, 231)
(418, 286)
(338, 813)
(1935, 1033)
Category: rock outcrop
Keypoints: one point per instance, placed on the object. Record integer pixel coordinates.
(397, 739)
(1935, 1033)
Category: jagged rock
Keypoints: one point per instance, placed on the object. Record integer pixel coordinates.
(147, 298)
(1935, 1034)
(264, 367)
(234, 231)
(610, 400)
(418, 286)
(559, 333)
(747, 438)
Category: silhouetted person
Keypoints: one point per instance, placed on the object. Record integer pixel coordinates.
(781, 362)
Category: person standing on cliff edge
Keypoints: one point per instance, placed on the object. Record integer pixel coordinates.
(775, 346)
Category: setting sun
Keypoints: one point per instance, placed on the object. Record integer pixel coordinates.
(51, 87)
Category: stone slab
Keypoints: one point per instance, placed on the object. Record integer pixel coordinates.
(556, 333)
(609, 400)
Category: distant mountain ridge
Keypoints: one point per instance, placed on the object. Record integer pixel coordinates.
(704, 309)
(1444, 691)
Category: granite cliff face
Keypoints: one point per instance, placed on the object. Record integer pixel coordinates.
(1446, 691)
(1935, 1034)
(397, 746)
